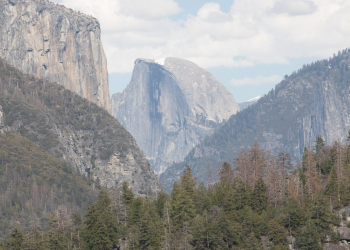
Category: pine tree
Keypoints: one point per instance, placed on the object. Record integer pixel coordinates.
(100, 231)
(127, 194)
(199, 233)
(95, 231)
(295, 215)
(309, 238)
(332, 187)
(250, 242)
(259, 200)
(242, 194)
(160, 203)
(185, 208)
(150, 228)
(320, 143)
(15, 239)
(277, 234)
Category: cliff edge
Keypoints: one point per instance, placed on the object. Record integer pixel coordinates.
(57, 44)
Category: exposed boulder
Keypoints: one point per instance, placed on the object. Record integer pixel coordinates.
(344, 233)
(330, 246)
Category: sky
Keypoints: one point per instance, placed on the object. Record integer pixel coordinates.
(248, 45)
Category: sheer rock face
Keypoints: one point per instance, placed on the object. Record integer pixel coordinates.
(169, 108)
(55, 43)
(312, 103)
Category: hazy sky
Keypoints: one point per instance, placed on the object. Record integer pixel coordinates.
(248, 45)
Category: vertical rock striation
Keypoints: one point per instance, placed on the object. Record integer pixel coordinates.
(57, 44)
(170, 107)
(315, 101)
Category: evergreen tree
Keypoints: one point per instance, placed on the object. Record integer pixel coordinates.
(127, 194)
(250, 242)
(277, 234)
(295, 216)
(183, 208)
(160, 203)
(319, 144)
(199, 233)
(15, 240)
(321, 215)
(100, 231)
(149, 237)
(242, 194)
(135, 212)
(96, 232)
(309, 238)
(202, 199)
(259, 200)
(332, 187)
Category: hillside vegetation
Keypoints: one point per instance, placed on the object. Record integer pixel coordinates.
(73, 129)
(257, 203)
(34, 183)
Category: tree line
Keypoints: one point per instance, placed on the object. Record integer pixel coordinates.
(259, 195)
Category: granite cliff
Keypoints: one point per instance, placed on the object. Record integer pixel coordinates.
(56, 44)
(71, 128)
(312, 102)
(169, 106)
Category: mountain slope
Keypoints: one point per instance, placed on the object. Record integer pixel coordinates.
(33, 184)
(57, 44)
(169, 107)
(74, 129)
(311, 102)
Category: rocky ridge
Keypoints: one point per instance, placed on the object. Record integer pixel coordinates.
(74, 129)
(169, 106)
(309, 103)
(56, 44)
(246, 104)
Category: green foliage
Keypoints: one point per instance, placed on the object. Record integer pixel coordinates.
(309, 238)
(100, 231)
(332, 188)
(277, 234)
(260, 197)
(128, 195)
(320, 143)
(34, 182)
(15, 239)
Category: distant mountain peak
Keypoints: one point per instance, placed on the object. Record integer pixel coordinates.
(169, 106)
(246, 104)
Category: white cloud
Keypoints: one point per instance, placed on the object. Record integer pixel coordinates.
(294, 7)
(269, 31)
(256, 81)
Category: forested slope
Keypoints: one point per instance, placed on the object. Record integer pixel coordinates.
(310, 102)
(34, 183)
(73, 129)
(258, 205)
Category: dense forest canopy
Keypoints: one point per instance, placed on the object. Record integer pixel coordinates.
(261, 200)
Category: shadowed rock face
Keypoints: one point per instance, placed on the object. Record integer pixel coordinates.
(169, 108)
(55, 43)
